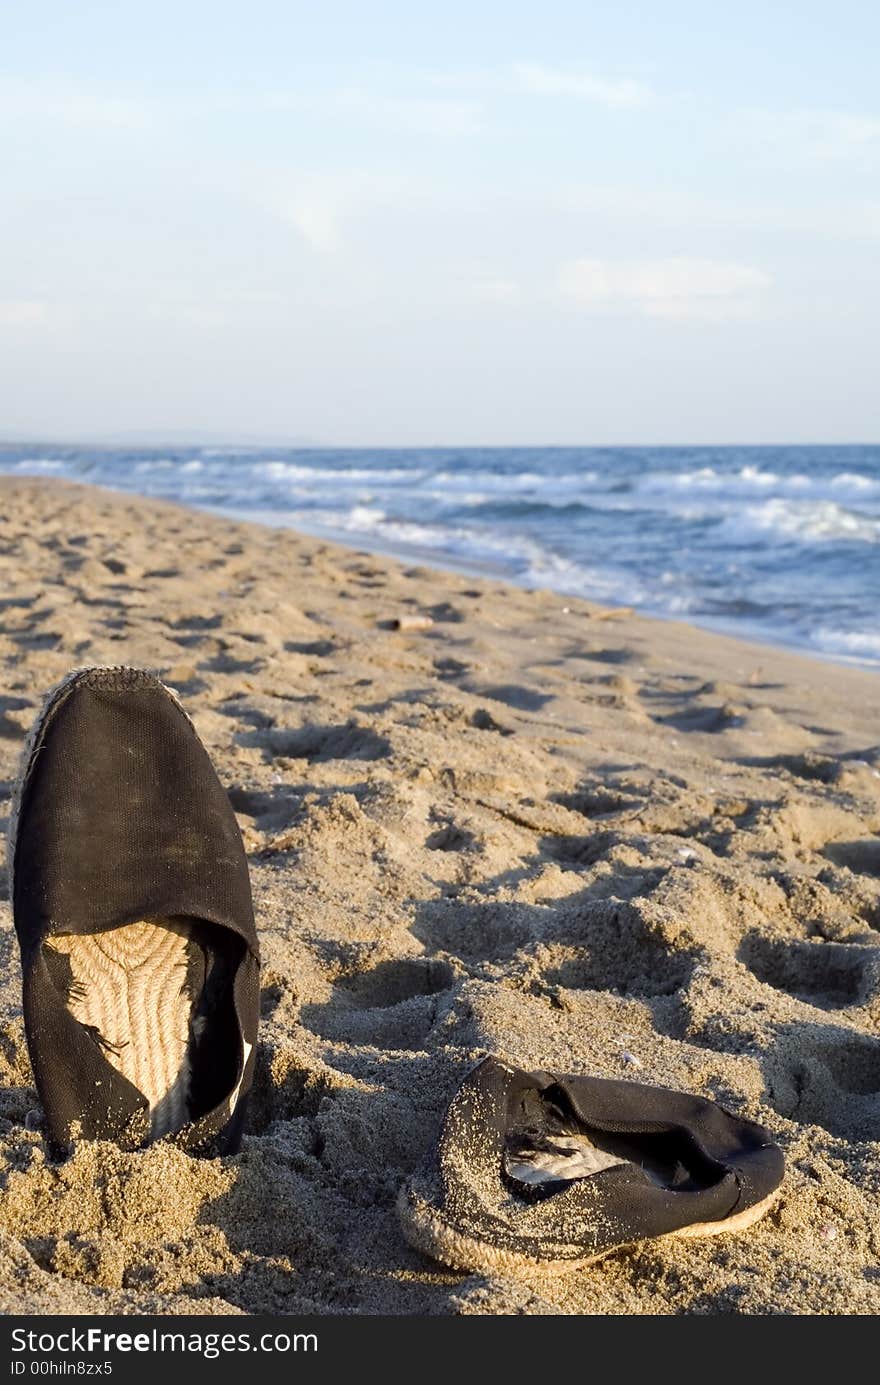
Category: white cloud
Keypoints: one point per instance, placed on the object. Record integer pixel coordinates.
(617, 93)
(411, 114)
(496, 291)
(464, 96)
(815, 136)
(671, 288)
(417, 114)
(316, 215)
(24, 313)
(680, 208)
(71, 105)
(321, 206)
(852, 131)
(207, 316)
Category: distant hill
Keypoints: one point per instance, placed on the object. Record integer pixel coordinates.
(156, 438)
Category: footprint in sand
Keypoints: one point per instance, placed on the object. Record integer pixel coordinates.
(348, 741)
(287, 1087)
(269, 811)
(366, 574)
(16, 715)
(861, 857)
(474, 932)
(598, 801)
(318, 649)
(228, 663)
(831, 976)
(484, 721)
(812, 766)
(515, 695)
(444, 613)
(856, 772)
(38, 640)
(449, 837)
(393, 1006)
(12, 603)
(613, 950)
(192, 622)
(610, 656)
(828, 1076)
(449, 668)
(272, 992)
(394, 982)
(579, 852)
(707, 720)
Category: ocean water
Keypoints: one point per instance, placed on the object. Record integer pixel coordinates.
(781, 544)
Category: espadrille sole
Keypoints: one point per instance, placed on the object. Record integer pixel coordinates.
(428, 1232)
(129, 987)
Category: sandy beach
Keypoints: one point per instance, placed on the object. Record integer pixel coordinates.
(527, 825)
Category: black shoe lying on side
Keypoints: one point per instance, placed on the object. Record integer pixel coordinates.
(536, 1170)
(133, 910)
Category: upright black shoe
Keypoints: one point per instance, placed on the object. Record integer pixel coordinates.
(536, 1170)
(133, 910)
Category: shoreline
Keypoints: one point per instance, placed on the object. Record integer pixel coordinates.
(449, 561)
(593, 842)
(426, 558)
(404, 553)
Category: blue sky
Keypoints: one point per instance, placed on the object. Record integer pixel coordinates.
(491, 223)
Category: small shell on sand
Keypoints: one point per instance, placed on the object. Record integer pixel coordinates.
(410, 623)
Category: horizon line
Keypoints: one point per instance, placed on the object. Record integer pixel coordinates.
(184, 441)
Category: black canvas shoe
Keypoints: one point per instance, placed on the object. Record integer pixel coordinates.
(536, 1170)
(133, 910)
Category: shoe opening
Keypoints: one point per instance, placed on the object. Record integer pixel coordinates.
(549, 1144)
